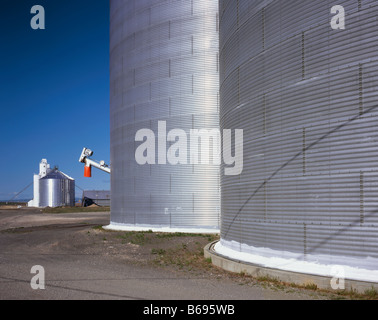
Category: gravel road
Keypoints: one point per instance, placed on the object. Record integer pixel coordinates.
(83, 262)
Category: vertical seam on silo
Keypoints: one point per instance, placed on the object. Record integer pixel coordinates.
(304, 148)
(305, 241)
(193, 84)
(238, 85)
(303, 56)
(237, 14)
(201, 150)
(150, 164)
(362, 199)
(170, 106)
(218, 102)
(360, 88)
(266, 200)
(264, 105)
(193, 203)
(359, 5)
(263, 28)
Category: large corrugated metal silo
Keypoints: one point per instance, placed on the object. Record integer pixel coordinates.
(306, 96)
(56, 189)
(164, 76)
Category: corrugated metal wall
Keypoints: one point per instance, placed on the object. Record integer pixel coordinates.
(307, 98)
(164, 67)
(56, 191)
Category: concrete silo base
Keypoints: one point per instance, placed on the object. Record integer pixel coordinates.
(257, 271)
(162, 229)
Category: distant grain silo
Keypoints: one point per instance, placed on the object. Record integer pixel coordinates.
(306, 96)
(52, 188)
(163, 69)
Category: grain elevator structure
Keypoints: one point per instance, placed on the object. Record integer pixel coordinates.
(52, 188)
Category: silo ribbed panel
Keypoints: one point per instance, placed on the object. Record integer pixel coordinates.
(164, 67)
(306, 96)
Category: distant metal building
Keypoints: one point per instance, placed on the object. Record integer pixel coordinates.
(163, 68)
(97, 197)
(52, 188)
(306, 96)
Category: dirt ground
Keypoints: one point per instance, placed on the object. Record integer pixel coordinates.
(26, 234)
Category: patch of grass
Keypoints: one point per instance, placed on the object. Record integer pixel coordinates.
(158, 251)
(371, 293)
(134, 237)
(338, 297)
(210, 237)
(186, 256)
(311, 286)
(267, 278)
(99, 228)
(139, 239)
(74, 210)
(4, 203)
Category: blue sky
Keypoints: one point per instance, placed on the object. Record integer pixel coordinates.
(54, 91)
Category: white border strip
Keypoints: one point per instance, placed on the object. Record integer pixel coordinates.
(145, 228)
(224, 248)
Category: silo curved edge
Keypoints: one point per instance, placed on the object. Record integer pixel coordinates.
(270, 259)
(289, 270)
